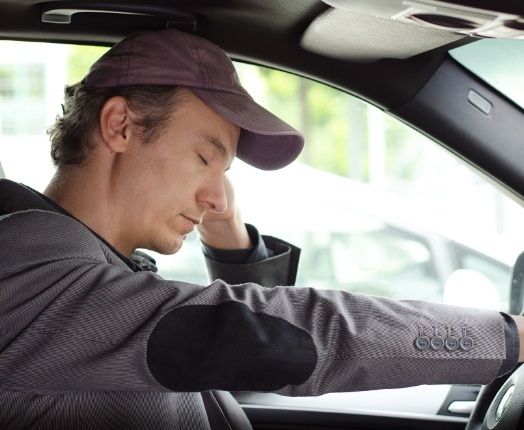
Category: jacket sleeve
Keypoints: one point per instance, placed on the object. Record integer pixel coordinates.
(73, 319)
(272, 262)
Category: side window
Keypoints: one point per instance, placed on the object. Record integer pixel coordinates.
(387, 262)
(22, 106)
(483, 273)
(376, 207)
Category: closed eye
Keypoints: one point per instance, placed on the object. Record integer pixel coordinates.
(203, 160)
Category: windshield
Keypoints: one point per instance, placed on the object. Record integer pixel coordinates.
(505, 67)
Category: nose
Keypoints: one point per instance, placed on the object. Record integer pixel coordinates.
(212, 196)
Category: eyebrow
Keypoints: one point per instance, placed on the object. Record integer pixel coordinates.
(219, 147)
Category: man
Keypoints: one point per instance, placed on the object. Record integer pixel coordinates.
(93, 339)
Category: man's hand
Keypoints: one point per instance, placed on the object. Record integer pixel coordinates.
(519, 320)
(225, 230)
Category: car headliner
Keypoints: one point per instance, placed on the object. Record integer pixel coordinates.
(421, 90)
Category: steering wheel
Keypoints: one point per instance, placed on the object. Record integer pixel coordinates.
(500, 404)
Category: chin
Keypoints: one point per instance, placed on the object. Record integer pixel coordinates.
(168, 247)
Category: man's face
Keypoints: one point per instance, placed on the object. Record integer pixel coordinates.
(180, 176)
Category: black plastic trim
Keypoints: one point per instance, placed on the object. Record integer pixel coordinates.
(490, 142)
(265, 418)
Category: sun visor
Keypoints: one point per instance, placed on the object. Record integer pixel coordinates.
(366, 31)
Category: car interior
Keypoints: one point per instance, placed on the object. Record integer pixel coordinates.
(411, 184)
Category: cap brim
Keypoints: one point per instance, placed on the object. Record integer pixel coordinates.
(266, 142)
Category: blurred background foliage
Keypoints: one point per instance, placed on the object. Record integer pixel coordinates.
(80, 59)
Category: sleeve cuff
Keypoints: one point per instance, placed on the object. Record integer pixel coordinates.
(512, 345)
(269, 263)
(258, 252)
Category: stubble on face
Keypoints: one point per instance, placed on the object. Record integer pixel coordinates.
(184, 169)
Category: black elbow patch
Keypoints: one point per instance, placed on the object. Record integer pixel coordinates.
(228, 347)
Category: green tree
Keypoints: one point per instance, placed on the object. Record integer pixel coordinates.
(80, 59)
(340, 130)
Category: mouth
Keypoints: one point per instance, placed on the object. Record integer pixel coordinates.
(191, 222)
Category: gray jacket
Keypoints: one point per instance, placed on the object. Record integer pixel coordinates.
(83, 334)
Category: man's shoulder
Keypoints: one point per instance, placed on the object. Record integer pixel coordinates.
(25, 211)
(15, 197)
(37, 219)
(35, 231)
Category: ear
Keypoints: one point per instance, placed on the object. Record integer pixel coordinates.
(115, 124)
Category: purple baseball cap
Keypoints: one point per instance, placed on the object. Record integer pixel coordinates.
(173, 57)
